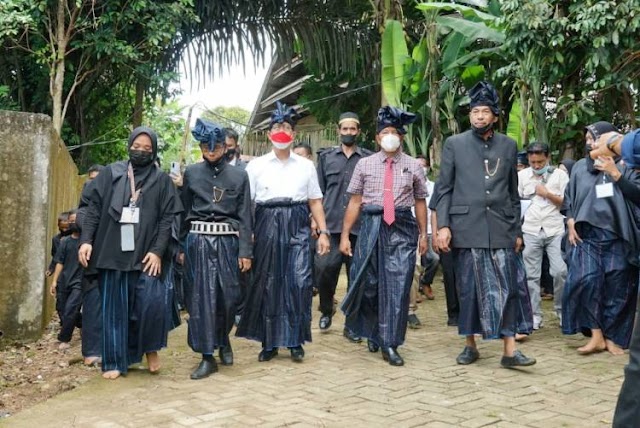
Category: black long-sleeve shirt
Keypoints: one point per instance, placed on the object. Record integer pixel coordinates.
(219, 194)
(334, 175)
(158, 203)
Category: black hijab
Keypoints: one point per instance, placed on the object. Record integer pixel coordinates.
(596, 130)
(143, 176)
(568, 163)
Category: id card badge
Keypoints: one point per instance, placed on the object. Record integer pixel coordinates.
(604, 190)
(127, 242)
(130, 215)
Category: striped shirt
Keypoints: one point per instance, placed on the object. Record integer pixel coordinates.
(408, 179)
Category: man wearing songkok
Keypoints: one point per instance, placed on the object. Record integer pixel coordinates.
(335, 169)
(600, 292)
(125, 233)
(543, 187)
(284, 187)
(383, 189)
(478, 211)
(216, 234)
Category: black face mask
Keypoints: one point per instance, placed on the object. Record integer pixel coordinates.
(231, 153)
(66, 232)
(348, 140)
(74, 228)
(482, 130)
(140, 157)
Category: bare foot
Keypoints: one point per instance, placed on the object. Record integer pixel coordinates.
(111, 374)
(153, 361)
(593, 346)
(613, 348)
(92, 361)
(63, 346)
(521, 337)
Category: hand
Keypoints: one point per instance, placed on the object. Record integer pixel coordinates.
(423, 245)
(323, 246)
(152, 264)
(434, 245)
(574, 238)
(84, 254)
(244, 264)
(444, 239)
(345, 246)
(48, 273)
(177, 179)
(314, 229)
(181, 258)
(608, 165)
(52, 289)
(541, 190)
(600, 148)
(519, 244)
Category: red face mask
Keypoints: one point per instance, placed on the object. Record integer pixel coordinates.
(281, 140)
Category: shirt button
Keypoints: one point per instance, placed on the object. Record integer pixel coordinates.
(488, 208)
(486, 146)
(488, 192)
(486, 177)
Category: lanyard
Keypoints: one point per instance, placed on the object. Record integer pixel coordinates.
(135, 194)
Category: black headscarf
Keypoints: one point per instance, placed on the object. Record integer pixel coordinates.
(596, 130)
(394, 117)
(144, 176)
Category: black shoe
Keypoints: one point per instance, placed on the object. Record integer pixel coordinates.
(205, 368)
(226, 355)
(468, 355)
(325, 323)
(265, 355)
(391, 355)
(373, 346)
(351, 336)
(518, 360)
(413, 321)
(297, 354)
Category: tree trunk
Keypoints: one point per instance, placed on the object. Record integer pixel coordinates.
(56, 83)
(138, 109)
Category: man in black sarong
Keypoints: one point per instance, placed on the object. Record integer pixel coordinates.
(478, 213)
(384, 187)
(285, 189)
(125, 232)
(217, 244)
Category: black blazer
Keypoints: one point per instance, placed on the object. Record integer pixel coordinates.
(478, 191)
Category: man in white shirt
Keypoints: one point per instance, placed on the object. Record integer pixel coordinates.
(543, 226)
(284, 187)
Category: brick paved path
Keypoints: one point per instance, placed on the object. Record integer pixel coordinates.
(343, 385)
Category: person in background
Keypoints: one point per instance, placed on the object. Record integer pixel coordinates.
(63, 230)
(304, 150)
(232, 154)
(335, 169)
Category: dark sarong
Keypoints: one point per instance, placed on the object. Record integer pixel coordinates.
(91, 318)
(524, 314)
(278, 306)
(213, 290)
(601, 287)
(487, 283)
(377, 303)
(136, 316)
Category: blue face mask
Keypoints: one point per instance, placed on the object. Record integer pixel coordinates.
(542, 170)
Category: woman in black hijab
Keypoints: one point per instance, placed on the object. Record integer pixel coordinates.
(126, 230)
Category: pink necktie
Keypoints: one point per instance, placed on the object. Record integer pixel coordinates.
(388, 210)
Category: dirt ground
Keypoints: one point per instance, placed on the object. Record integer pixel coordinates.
(35, 371)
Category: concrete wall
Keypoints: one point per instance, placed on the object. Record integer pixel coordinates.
(38, 179)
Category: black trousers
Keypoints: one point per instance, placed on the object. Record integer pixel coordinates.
(627, 413)
(92, 321)
(70, 302)
(327, 271)
(451, 294)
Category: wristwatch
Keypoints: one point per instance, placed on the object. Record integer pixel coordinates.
(323, 232)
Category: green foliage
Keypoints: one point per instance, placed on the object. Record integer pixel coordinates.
(394, 55)
(230, 117)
